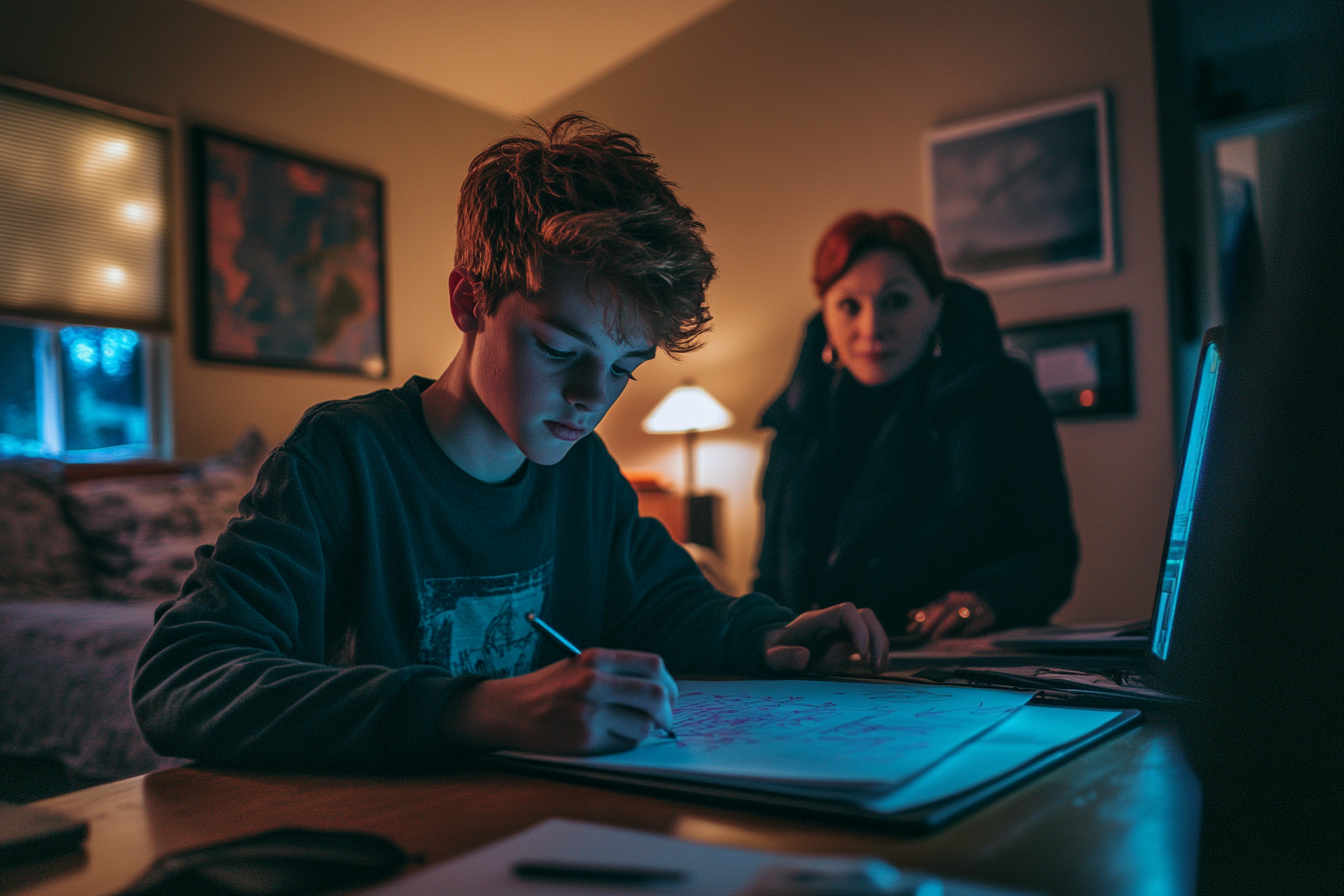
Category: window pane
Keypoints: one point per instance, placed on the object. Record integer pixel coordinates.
(19, 429)
(103, 393)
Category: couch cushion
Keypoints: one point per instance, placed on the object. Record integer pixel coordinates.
(41, 555)
(142, 531)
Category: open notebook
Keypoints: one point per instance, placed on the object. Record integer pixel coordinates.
(1154, 633)
(910, 756)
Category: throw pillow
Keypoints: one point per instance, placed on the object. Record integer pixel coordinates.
(143, 531)
(41, 556)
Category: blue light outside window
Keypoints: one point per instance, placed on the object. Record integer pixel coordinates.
(1174, 563)
(78, 393)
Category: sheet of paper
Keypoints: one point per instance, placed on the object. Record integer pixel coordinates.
(709, 870)
(838, 736)
(1028, 733)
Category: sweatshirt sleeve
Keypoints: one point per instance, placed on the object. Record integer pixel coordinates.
(661, 602)
(235, 671)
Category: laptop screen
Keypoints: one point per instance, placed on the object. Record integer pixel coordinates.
(1187, 494)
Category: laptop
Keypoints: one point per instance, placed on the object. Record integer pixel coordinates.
(1153, 634)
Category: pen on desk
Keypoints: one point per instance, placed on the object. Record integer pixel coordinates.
(566, 645)
(571, 872)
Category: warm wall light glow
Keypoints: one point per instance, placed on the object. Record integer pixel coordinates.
(137, 213)
(688, 408)
(115, 149)
(1087, 398)
(114, 276)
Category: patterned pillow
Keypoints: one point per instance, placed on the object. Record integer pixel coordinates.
(143, 531)
(41, 555)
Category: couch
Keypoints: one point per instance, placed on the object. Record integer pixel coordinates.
(86, 554)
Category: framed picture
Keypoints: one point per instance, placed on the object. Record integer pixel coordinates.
(1082, 364)
(289, 259)
(1024, 197)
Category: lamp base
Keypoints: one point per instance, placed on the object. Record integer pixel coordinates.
(701, 514)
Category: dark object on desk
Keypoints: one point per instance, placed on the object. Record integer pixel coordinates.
(278, 862)
(1259, 650)
(28, 833)
(588, 873)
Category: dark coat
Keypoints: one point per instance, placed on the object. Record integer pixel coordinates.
(963, 488)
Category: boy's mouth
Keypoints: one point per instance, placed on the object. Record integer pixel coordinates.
(565, 431)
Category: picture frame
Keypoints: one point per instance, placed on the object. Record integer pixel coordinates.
(289, 258)
(1082, 365)
(1024, 197)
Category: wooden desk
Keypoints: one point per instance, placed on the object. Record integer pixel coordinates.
(1120, 819)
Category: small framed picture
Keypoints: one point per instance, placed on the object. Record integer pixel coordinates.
(1082, 364)
(1024, 197)
(289, 259)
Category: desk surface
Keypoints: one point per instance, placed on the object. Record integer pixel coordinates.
(1120, 819)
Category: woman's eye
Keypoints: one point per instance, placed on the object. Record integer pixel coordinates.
(849, 307)
(624, 374)
(895, 301)
(553, 353)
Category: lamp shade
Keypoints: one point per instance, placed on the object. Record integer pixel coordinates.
(688, 408)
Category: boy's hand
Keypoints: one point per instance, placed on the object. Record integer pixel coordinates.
(824, 640)
(600, 701)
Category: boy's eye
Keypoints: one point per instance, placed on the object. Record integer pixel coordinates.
(626, 374)
(553, 353)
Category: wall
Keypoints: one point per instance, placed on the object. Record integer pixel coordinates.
(776, 116)
(181, 60)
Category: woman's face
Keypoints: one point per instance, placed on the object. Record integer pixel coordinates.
(879, 317)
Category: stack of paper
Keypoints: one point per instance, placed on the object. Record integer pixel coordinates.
(881, 747)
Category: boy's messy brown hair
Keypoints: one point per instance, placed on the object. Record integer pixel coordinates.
(583, 194)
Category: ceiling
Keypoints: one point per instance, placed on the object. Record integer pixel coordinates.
(510, 57)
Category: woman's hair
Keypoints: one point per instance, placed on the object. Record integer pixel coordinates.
(579, 193)
(858, 232)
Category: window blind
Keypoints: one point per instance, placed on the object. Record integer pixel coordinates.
(83, 214)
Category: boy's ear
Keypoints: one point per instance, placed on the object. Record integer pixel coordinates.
(464, 299)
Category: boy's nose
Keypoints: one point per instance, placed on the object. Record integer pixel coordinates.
(586, 389)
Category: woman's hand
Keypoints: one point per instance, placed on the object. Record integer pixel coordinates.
(600, 701)
(960, 613)
(824, 640)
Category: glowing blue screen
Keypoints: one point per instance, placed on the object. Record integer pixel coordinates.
(1173, 565)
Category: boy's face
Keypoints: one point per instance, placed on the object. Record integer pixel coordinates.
(547, 369)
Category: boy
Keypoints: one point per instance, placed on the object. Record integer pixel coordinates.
(367, 610)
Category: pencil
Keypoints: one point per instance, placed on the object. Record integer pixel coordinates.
(568, 647)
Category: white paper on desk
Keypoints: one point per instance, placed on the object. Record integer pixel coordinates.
(710, 870)
(835, 738)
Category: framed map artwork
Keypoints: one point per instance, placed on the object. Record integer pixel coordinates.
(1024, 197)
(289, 259)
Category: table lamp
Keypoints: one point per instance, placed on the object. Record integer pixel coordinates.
(691, 410)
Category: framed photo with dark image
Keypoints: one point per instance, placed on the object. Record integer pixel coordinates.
(289, 259)
(1024, 197)
(1082, 364)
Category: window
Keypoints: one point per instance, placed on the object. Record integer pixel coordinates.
(83, 274)
(78, 393)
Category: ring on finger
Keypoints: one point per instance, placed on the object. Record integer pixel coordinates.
(920, 615)
(964, 612)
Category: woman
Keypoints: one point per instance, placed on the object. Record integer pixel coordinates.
(915, 467)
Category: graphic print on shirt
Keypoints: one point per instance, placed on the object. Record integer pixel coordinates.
(478, 624)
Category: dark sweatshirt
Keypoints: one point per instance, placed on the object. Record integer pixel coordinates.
(368, 578)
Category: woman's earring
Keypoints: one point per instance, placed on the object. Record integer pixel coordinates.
(828, 355)
(937, 343)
